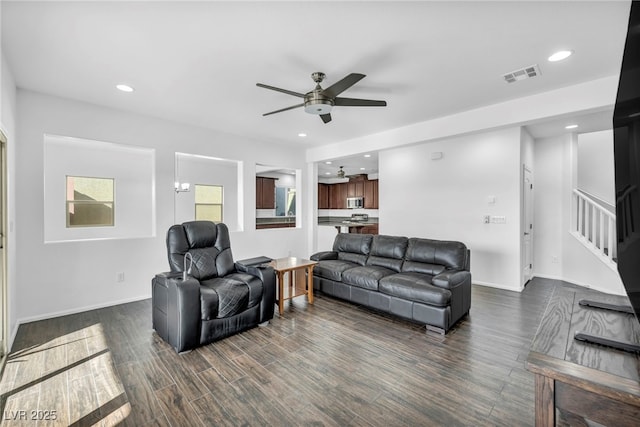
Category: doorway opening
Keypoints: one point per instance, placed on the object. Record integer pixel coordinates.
(527, 225)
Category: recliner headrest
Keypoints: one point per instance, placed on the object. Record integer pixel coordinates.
(200, 234)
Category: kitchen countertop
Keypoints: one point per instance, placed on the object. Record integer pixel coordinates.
(345, 222)
(275, 219)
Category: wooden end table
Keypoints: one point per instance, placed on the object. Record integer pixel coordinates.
(584, 381)
(291, 265)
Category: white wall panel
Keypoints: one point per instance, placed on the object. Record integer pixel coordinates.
(448, 198)
(131, 168)
(596, 174)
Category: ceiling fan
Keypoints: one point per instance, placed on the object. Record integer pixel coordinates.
(320, 101)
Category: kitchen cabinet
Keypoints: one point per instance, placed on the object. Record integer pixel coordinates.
(369, 229)
(323, 196)
(338, 196)
(265, 193)
(334, 196)
(355, 189)
(371, 194)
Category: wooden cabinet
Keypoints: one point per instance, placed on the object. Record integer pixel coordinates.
(334, 196)
(355, 189)
(370, 229)
(323, 196)
(265, 193)
(371, 194)
(338, 196)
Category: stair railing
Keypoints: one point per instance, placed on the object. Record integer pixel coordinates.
(595, 227)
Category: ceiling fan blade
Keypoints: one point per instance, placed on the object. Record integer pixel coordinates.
(284, 109)
(338, 87)
(325, 117)
(277, 89)
(353, 102)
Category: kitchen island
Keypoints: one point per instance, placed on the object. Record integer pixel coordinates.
(356, 223)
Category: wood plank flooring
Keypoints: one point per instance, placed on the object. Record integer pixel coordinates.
(331, 363)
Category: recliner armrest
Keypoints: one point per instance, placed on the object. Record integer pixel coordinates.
(179, 300)
(451, 278)
(268, 277)
(320, 256)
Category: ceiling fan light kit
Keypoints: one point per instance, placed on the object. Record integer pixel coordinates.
(321, 101)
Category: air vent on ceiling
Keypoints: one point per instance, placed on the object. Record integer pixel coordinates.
(523, 73)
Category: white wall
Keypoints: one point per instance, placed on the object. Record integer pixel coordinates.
(208, 171)
(131, 168)
(596, 174)
(557, 254)
(548, 210)
(448, 198)
(75, 276)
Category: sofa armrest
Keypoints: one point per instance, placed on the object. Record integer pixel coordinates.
(451, 278)
(320, 256)
(268, 277)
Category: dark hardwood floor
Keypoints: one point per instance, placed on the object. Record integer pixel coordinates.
(330, 363)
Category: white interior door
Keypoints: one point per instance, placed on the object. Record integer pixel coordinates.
(527, 225)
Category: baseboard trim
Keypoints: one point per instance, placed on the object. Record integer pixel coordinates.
(497, 286)
(75, 311)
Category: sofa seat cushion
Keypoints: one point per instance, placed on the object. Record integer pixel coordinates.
(332, 269)
(415, 287)
(224, 297)
(365, 277)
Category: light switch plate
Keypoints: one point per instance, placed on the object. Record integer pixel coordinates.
(499, 219)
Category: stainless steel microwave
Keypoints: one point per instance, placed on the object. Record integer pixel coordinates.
(355, 202)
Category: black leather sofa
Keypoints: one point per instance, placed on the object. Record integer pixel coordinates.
(423, 280)
(219, 297)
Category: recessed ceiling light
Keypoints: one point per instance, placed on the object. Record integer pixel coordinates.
(367, 155)
(302, 134)
(124, 88)
(560, 55)
(571, 126)
(327, 163)
(327, 173)
(361, 169)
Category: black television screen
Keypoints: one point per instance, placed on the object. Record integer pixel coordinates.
(626, 128)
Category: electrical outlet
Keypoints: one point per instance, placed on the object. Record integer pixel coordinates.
(555, 259)
(120, 277)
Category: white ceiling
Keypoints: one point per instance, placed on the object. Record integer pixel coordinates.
(198, 62)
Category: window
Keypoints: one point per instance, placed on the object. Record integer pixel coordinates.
(89, 201)
(208, 202)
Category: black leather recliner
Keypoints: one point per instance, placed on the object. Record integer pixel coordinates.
(218, 298)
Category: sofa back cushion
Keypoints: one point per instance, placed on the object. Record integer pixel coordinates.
(387, 251)
(434, 256)
(353, 247)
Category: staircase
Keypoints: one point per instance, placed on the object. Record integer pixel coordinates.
(594, 225)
